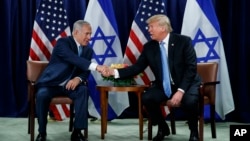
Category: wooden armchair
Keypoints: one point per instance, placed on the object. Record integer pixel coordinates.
(208, 74)
(34, 69)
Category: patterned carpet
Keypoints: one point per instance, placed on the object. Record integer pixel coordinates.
(15, 129)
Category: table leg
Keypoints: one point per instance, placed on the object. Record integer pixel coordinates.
(103, 111)
(106, 111)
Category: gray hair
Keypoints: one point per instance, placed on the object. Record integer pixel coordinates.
(78, 24)
(162, 20)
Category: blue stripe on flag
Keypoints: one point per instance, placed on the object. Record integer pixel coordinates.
(208, 9)
(109, 12)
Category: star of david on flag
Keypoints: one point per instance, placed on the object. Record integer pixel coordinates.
(107, 50)
(201, 24)
(108, 42)
(209, 50)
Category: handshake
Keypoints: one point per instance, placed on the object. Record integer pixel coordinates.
(105, 70)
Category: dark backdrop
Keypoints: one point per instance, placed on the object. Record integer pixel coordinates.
(16, 27)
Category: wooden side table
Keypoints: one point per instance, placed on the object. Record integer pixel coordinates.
(137, 89)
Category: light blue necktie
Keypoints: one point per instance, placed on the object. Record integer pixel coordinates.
(165, 71)
(79, 50)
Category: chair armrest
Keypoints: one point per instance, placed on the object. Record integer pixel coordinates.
(210, 83)
(207, 89)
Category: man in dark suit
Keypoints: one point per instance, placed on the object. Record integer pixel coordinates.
(184, 80)
(67, 73)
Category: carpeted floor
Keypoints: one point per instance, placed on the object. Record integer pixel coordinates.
(15, 129)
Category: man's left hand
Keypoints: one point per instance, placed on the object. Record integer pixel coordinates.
(73, 83)
(175, 101)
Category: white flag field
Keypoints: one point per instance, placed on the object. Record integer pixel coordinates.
(201, 24)
(107, 50)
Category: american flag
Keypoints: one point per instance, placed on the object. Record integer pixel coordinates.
(50, 24)
(139, 36)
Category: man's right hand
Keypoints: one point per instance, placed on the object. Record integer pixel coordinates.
(105, 70)
(101, 68)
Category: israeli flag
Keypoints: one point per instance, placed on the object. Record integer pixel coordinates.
(201, 24)
(107, 50)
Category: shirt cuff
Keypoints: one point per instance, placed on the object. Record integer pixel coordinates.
(93, 66)
(79, 78)
(179, 89)
(116, 73)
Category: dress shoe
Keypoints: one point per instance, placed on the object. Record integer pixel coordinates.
(194, 136)
(77, 137)
(41, 137)
(161, 134)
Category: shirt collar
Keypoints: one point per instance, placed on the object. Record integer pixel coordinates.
(166, 39)
(77, 44)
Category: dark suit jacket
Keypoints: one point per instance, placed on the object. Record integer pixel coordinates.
(65, 63)
(181, 59)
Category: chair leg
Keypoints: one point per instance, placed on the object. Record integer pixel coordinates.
(172, 121)
(32, 118)
(32, 129)
(29, 117)
(28, 124)
(212, 120)
(149, 129)
(71, 118)
(201, 128)
(32, 123)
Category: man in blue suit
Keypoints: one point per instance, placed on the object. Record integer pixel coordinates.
(184, 80)
(67, 74)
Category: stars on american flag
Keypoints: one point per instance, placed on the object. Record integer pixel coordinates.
(50, 24)
(148, 8)
(52, 18)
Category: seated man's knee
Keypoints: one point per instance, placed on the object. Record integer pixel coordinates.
(83, 89)
(43, 94)
(146, 98)
(190, 101)
(81, 92)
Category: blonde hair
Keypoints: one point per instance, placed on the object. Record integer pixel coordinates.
(162, 20)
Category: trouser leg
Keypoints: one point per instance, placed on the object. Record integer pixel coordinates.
(152, 100)
(190, 107)
(80, 98)
(43, 98)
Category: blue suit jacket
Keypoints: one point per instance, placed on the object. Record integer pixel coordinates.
(65, 63)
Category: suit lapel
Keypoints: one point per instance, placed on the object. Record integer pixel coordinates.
(171, 45)
(73, 45)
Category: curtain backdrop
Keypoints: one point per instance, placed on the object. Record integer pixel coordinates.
(16, 30)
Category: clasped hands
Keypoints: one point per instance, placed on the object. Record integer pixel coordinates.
(105, 70)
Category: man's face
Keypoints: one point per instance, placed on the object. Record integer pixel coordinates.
(83, 35)
(156, 31)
